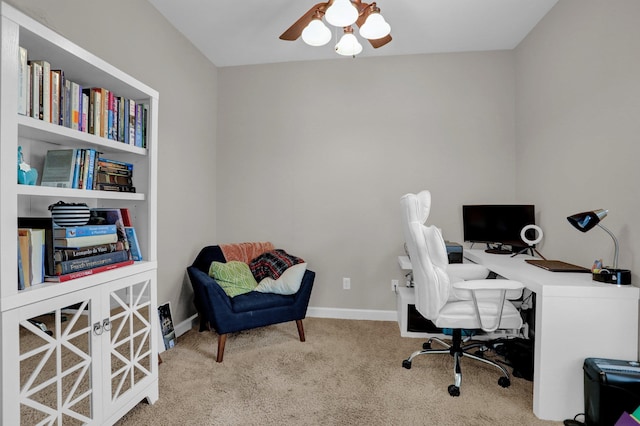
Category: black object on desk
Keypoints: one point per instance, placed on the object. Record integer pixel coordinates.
(611, 387)
(556, 265)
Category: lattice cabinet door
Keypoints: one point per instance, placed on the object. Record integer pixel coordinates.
(130, 355)
(53, 370)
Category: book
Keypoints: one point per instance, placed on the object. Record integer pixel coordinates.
(58, 168)
(56, 79)
(91, 169)
(76, 169)
(23, 82)
(110, 117)
(66, 105)
(90, 240)
(107, 163)
(132, 122)
(126, 217)
(45, 93)
(60, 255)
(36, 254)
(115, 178)
(104, 119)
(84, 117)
(76, 107)
(138, 131)
(45, 223)
(96, 100)
(115, 187)
(90, 262)
(36, 89)
(125, 119)
(121, 124)
(83, 231)
(24, 266)
(20, 268)
(86, 272)
(134, 246)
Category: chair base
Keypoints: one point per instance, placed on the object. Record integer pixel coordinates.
(457, 351)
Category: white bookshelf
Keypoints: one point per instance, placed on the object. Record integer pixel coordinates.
(99, 357)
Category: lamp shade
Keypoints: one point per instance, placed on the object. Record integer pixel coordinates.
(587, 220)
(348, 45)
(341, 13)
(375, 27)
(316, 33)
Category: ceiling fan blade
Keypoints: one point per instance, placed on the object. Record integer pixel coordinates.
(380, 41)
(363, 9)
(295, 30)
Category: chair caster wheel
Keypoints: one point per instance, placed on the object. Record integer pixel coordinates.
(479, 353)
(426, 345)
(504, 382)
(454, 390)
(406, 364)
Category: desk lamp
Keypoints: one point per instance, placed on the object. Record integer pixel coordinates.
(586, 221)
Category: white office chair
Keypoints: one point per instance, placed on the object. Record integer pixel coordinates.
(454, 296)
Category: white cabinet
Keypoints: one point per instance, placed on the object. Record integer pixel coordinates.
(85, 350)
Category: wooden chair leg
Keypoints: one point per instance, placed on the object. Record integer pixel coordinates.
(222, 339)
(300, 330)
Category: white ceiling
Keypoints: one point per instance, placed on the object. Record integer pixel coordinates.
(243, 32)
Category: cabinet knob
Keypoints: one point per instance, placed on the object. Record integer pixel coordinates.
(97, 328)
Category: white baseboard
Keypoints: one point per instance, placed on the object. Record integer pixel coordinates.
(337, 313)
(353, 314)
(186, 325)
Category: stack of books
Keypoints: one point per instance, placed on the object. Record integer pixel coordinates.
(84, 250)
(107, 242)
(112, 175)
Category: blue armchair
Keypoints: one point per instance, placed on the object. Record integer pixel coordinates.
(250, 310)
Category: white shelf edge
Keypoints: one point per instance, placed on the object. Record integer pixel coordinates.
(48, 191)
(45, 291)
(33, 128)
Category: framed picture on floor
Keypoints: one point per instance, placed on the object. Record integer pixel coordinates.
(166, 326)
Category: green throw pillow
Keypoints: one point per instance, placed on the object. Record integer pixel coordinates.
(234, 277)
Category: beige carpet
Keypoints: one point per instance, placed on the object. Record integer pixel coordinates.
(346, 373)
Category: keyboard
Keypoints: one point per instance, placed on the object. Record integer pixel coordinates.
(556, 265)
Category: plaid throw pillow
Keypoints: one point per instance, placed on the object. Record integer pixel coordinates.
(272, 264)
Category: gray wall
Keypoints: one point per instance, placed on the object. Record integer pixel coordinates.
(314, 156)
(144, 45)
(578, 127)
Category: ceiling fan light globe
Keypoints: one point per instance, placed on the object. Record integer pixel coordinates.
(316, 33)
(348, 45)
(375, 27)
(341, 13)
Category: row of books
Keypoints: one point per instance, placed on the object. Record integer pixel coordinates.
(86, 169)
(46, 94)
(49, 253)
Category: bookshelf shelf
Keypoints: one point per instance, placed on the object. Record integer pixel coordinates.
(47, 191)
(96, 306)
(38, 130)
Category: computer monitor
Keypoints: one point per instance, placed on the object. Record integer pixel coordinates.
(498, 225)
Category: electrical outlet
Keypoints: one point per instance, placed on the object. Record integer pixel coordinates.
(346, 283)
(394, 285)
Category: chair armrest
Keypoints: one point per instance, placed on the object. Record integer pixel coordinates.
(211, 288)
(490, 293)
(467, 271)
(488, 285)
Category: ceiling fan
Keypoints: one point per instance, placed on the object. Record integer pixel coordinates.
(341, 13)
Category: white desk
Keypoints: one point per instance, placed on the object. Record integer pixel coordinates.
(576, 318)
